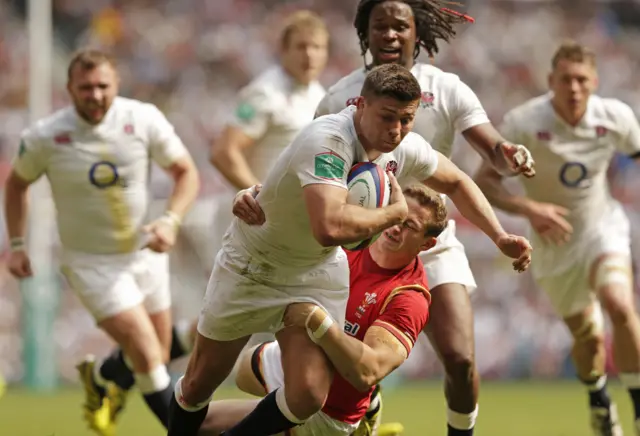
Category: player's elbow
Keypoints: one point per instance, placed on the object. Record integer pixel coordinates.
(326, 235)
(366, 380)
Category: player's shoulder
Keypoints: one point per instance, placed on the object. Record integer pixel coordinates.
(610, 108)
(435, 79)
(531, 108)
(135, 107)
(422, 70)
(271, 81)
(349, 84)
(56, 126)
(335, 128)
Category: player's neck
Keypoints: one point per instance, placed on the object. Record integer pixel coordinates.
(388, 260)
(571, 117)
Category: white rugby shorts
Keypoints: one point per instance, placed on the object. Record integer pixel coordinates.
(447, 261)
(108, 284)
(267, 367)
(247, 294)
(571, 290)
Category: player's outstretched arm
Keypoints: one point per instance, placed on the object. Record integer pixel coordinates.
(474, 206)
(386, 344)
(506, 158)
(334, 222)
(548, 220)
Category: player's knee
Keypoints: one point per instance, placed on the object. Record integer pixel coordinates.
(589, 337)
(459, 366)
(306, 398)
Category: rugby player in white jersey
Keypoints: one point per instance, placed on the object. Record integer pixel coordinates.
(580, 233)
(294, 256)
(96, 155)
(394, 32)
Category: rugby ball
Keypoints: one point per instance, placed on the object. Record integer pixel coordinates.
(369, 187)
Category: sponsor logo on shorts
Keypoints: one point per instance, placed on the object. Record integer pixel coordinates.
(329, 166)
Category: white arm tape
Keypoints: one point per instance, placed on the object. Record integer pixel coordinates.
(322, 329)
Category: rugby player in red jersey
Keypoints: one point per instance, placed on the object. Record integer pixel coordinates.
(388, 308)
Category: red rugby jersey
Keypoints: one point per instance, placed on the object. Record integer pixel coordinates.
(397, 300)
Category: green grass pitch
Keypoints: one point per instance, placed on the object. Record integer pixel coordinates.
(506, 409)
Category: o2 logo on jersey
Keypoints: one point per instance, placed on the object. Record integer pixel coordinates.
(104, 174)
(575, 175)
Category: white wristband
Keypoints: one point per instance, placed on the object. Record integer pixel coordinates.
(16, 244)
(172, 218)
(316, 335)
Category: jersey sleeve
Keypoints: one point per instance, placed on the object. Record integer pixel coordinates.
(165, 146)
(323, 158)
(417, 159)
(629, 142)
(252, 112)
(32, 159)
(324, 107)
(405, 316)
(467, 109)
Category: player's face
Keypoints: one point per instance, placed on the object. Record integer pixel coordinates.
(93, 91)
(305, 55)
(408, 238)
(572, 83)
(385, 121)
(392, 33)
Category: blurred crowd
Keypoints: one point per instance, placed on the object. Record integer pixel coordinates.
(190, 57)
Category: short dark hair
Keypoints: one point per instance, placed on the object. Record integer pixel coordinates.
(88, 59)
(391, 80)
(431, 200)
(433, 18)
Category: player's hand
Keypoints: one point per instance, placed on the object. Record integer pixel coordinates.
(548, 221)
(297, 314)
(162, 235)
(246, 208)
(519, 159)
(518, 248)
(19, 264)
(396, 198)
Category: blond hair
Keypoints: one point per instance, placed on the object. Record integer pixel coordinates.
(431, 200)
(88, 59)
(299, 21)
(573, 51)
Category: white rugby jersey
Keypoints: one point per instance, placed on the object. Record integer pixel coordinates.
(572, 162)
(447, 105)
(323, 152)
(99, 174)
(272, 110)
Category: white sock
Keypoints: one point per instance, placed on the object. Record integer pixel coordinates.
(155, 380)
(462, 421)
